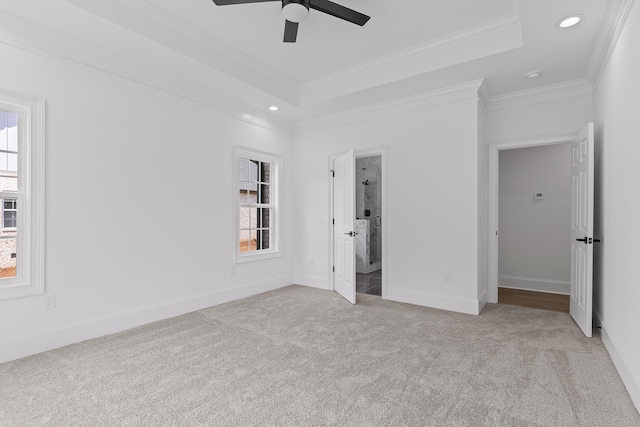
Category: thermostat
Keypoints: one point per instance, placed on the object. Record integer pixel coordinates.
(538, 196)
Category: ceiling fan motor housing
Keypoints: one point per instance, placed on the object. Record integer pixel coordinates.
(295, 10)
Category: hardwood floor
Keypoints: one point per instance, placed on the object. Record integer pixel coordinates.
(542, 300)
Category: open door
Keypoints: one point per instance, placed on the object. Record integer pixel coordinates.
(344, 252)
(582, 230)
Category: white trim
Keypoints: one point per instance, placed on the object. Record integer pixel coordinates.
(151, 21)
(492, 193)
(381, 151)
(541, 95)
(313, 282)
(19, 346)
(613, 23)
(493, 37)
(26, 35)
(29, 278)
(275, 160)
(442, 302)
(533, 284)
(448, 95)
(630, 378)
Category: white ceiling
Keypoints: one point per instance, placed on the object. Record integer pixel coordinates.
(236, 52)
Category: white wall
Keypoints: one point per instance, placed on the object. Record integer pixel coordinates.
(534, 235)
(139, 206)
(617, 284)
(560, 116)
(432, 201)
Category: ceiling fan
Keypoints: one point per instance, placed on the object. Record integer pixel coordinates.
(296, 11)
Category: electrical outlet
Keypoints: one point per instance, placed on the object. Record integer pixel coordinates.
(232, 270)
(312, 262)
(48, 302)
(447, 277)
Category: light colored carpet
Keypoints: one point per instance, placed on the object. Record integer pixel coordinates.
(301, 357)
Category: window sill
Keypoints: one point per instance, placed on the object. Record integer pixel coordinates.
(240, 259)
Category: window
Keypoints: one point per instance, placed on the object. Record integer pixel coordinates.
(256, 175)
(21, 195)
(9, 215)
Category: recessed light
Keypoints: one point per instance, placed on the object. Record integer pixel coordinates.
(273, 108)
(569, 21)
(533, 74)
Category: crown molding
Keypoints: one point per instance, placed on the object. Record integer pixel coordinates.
(32, 37)
(484, 96)
(167, 29)
(461, 92)
(480, 41)
(540, 95)
(613, 24)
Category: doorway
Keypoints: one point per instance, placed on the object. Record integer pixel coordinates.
(347, 208)
(534, 226)
(368, 225)
(581, 236)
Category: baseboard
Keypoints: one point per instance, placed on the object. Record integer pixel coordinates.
(621, 362)
(36, 342)
(312, 281)
(460, 305)
(535, 284)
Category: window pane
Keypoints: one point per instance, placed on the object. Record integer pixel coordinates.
(254, 240)
(265, 193)
(254, 217)
(12, 131)
(12, 162)
(4, 130)
(246, 169)
(4, 161)
(252, 197)
(9, 219)
(264, 239)
(265, 218)
(244, 218)
(8, 182)
(8, 204)
(7, 258)
(265, 172)
(245, 241)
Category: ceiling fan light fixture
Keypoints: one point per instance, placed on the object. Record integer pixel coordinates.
(295, 10)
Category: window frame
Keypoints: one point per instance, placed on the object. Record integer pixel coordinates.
(30, 217)
(275, 162)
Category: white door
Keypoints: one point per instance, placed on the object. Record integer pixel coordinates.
(582, 229)
(344, 252)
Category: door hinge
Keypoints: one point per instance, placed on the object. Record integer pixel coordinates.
(334, 268)
(333, 173)
(333, 221)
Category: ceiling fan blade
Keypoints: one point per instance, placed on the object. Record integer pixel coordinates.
(338, 11)
(229, 2)
(290, 31)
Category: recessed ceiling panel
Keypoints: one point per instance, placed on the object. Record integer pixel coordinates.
(326, 44)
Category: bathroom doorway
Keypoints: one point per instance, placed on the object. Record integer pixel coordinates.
(368, 224)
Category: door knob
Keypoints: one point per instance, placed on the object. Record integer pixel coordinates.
(351, 233)
(582, 240)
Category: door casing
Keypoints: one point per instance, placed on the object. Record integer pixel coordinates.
(492, 206)
(378, 151)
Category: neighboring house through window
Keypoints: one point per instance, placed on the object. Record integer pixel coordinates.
(256, 177)
(21, 195)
